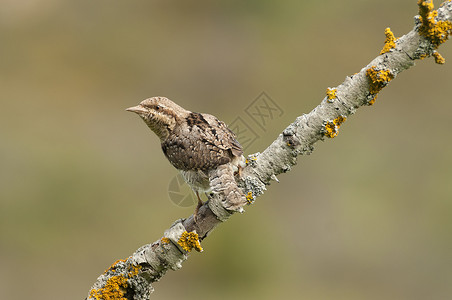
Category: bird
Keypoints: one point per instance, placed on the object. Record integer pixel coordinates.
(201, 147)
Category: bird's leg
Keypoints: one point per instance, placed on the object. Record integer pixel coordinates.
(239, 171)
(195, 215)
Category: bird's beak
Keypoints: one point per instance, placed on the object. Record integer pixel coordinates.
(139, 109)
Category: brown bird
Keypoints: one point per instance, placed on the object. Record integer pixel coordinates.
(200, 146)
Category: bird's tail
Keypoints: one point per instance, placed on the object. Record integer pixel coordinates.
(222, 181)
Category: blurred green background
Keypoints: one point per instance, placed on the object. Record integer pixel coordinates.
(84, 183)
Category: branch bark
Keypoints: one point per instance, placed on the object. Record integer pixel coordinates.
(131, 278)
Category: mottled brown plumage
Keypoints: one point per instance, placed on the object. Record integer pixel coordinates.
(200, 146)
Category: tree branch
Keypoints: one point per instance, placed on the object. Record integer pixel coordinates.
(131, 278)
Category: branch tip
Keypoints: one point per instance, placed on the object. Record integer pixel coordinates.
(438, 58)
(437, 32)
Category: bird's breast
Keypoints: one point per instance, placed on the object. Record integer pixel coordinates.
(197, 180)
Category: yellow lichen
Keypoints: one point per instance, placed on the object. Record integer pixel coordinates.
(113, 266)
(389, 42)
(378, 79)
(438, 58)
(114, 289)
(249, 197)
(371, 102)
(134, 270)
(165, 240)
(115, 286)
(331, 128)
(424, 55)
(253, 158)
(436, 31)
(189, 240)
(331, 94)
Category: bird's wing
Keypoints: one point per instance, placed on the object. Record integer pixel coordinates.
(204, 144)
(224, 136)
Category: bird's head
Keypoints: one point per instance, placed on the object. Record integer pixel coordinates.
(160, 114)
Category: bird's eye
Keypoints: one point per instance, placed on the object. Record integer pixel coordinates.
(157, 107)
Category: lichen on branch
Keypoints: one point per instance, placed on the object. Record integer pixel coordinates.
(120, 277)
(389, 42)
(189, 241)
(331, 94)
(331, 128)
(378, 79)
(437, 31)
